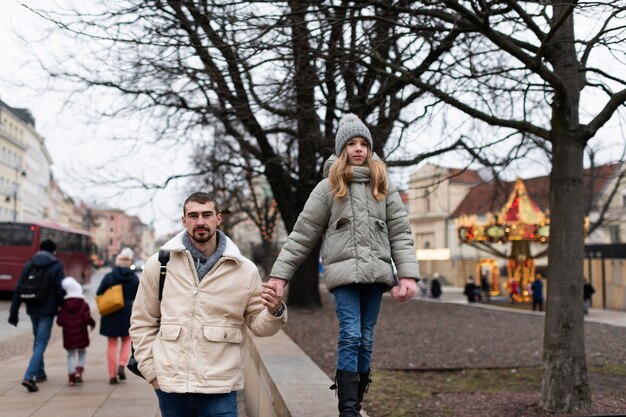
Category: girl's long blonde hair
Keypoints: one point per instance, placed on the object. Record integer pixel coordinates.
(340, 175)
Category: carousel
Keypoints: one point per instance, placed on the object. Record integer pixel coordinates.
(521, 223)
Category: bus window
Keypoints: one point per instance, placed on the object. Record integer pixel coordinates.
(13, 234)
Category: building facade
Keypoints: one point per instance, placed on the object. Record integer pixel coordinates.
(24, 166)
(439, 196)
(113, 229)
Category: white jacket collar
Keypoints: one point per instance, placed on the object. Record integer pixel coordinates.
(176, 244)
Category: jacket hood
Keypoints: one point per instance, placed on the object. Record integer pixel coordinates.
(72, 288)
(331, 160)
(176, 244)
(122, 273)
(44, 258)
(73, 305)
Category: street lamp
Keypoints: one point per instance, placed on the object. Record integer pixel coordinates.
(17, 173)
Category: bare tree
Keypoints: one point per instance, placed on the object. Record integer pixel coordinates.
(243, 190)
(521, 68)
(272, 77)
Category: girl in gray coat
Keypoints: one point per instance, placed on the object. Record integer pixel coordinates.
(364, 227)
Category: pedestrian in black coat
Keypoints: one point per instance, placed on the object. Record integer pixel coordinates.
(470, 290)
(41, 314)
(116, 324)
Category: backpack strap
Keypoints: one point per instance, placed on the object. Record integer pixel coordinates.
(164, 258)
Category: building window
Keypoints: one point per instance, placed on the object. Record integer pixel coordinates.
(427, 244)
(624, 201)
(614, 233)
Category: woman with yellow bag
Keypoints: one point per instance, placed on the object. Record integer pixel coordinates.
(116, 324)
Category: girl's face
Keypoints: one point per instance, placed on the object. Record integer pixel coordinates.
(357, 151)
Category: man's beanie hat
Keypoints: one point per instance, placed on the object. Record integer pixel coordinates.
(48, 246)
(350, 126)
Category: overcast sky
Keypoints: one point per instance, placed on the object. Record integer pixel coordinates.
(79, 145)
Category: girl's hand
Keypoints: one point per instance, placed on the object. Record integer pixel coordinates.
(280, 284)
(405, 290)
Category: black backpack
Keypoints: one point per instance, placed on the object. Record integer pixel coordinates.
(35, 285)
(164, 258)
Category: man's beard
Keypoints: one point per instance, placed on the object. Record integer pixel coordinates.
(202, 239)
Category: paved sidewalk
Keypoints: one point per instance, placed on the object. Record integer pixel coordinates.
(134, 397)
(455, 295)
(94, 398)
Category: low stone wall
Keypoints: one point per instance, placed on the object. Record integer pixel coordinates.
(282, 381)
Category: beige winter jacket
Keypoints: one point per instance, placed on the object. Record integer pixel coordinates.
(192, 341)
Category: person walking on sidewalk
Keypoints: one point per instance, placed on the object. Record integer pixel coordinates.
(588, 291)
(536, 290)
(364, 226)
(115, 326)
(75, 317)
(188, 345)
(40, 287)
(470, 290)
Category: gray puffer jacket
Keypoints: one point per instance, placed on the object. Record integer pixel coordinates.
(361, 236)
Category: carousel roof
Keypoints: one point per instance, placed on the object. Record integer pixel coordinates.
(520, 208)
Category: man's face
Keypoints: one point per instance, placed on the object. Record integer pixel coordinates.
(201, 221)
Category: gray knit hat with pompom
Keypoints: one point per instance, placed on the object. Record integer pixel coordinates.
(350, 126)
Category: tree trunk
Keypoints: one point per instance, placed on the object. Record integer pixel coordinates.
(565, 387)
(304, 286)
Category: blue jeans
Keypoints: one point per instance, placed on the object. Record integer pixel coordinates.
(197, 405)
(357, 310)
(42, 327)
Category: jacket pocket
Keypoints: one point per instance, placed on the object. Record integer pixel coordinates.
(338, 226)
(221, 353)
(382, 240)
(167, 349)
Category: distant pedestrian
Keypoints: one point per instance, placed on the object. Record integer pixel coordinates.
(115, 325)
(45, 269)
(537, 293)
(435, 287)
(470, 290)
(422, 285)
(588, 291)
(75, 317)
(514, 291)
(485, 287)
(363, 223)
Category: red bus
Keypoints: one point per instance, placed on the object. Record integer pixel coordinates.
(20, 241)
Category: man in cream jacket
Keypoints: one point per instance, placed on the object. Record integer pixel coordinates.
(189, 346)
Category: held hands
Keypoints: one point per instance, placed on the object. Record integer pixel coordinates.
(280, 285)
(405, 290)
(272, 296)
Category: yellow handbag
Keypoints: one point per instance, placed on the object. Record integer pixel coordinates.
(111, 300)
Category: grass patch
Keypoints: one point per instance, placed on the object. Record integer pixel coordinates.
(609, 369)
(402, 393)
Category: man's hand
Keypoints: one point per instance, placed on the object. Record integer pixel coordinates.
(270, 298)
(155, 384)
(405, 290)
(13, 319)
(280, 285)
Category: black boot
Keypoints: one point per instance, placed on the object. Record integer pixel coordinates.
(347, 385)
(364, 383)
